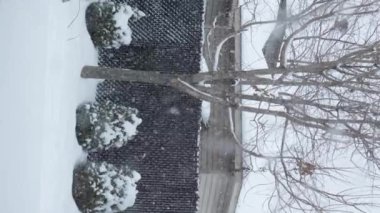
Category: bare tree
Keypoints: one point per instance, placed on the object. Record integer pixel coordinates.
(272, 46)
(323, 96)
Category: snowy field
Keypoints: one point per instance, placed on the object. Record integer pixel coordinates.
(43, 44)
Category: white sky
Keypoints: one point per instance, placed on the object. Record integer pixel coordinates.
(252, 58)
(258, 186)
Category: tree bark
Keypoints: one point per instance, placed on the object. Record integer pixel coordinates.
(150, 77)
(164, 79)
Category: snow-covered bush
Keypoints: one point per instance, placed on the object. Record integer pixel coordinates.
(103, 126)
(107, 23)
(103, 187)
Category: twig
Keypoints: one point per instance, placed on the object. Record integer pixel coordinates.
(76, 16)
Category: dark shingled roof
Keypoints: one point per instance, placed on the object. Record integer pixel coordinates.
(165, 151)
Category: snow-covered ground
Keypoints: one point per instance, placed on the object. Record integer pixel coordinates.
(43, 44)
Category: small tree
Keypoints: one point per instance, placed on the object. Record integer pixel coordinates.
(103, 187)
(102, 126)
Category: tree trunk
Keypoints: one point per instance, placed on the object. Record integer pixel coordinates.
(150, 77)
